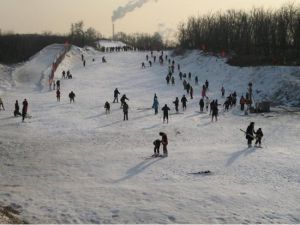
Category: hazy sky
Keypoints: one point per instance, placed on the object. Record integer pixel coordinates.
(35, 16)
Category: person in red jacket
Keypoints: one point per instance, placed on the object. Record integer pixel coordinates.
(164, 142)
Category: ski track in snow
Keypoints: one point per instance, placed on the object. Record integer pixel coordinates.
(71, 163)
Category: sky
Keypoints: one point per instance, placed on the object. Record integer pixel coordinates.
(37, 16)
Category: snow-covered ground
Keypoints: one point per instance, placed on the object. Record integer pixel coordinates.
(71, 163)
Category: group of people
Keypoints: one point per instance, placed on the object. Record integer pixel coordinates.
(251, 134)
(164, 142)
(24, 109)
(67, 75)
(17, 109)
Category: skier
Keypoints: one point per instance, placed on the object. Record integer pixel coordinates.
(143, 65)
(155, 105)
(203, 93)
(196, 80)
(250, 134)
(190, 76)
(58, 84)
(150, 63)
(58, 95)
(64, 74)
(156, 144)
(178, 67)
(164, 142)
(1, 104)
(206, 84)
(168, 79)
(207, 103)
(107, 107)
(191, 92)
(242, 103)
(226, 105)
(53, 84)
(187, 87)
(173, 80)
(123, 98)
(201, 104)
(83, 63)
(17, 109)
(125, 110)
(154, 58)
(223, 91)
(147, 57)
(259, 135)
(166, 110)
(184, 101)
(116, 94)
(215, 111)
(176, 102)
(211, 106)
(103, 60)
(72, 97)
(180, 75)
(24, 109)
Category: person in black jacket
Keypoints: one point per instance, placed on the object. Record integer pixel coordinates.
(259, 135)
(250, 134)
(17, 109)
(176, 102)
(214, 111)
(166, 110)
(184, 101)
(125, 110)
(107, 107)
(123, 98)
(116, 94)
(72, 97)
(156, 144)
(201, 103)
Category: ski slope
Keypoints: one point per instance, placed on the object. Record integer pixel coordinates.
(71, 163)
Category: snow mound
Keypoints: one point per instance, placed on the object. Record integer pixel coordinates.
(38, 67)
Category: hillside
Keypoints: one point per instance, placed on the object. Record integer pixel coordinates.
(71, 163)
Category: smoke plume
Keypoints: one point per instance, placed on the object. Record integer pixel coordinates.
(121, 11)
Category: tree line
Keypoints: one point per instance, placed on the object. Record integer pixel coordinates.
(258, 36)
(16, 48)
(141, 41)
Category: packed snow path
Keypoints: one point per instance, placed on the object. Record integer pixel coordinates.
(71, 163)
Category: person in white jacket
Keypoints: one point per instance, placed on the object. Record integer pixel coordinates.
(207, 102)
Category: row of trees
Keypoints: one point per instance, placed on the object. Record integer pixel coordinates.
(141, 41)
(19, 47)
(266, 35)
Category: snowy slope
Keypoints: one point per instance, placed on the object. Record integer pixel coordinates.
(71, 163)
(6, 81)
(38, 68)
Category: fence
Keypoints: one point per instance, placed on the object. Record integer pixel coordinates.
(57, 61)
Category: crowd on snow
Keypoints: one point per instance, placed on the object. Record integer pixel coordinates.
(205, 103)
